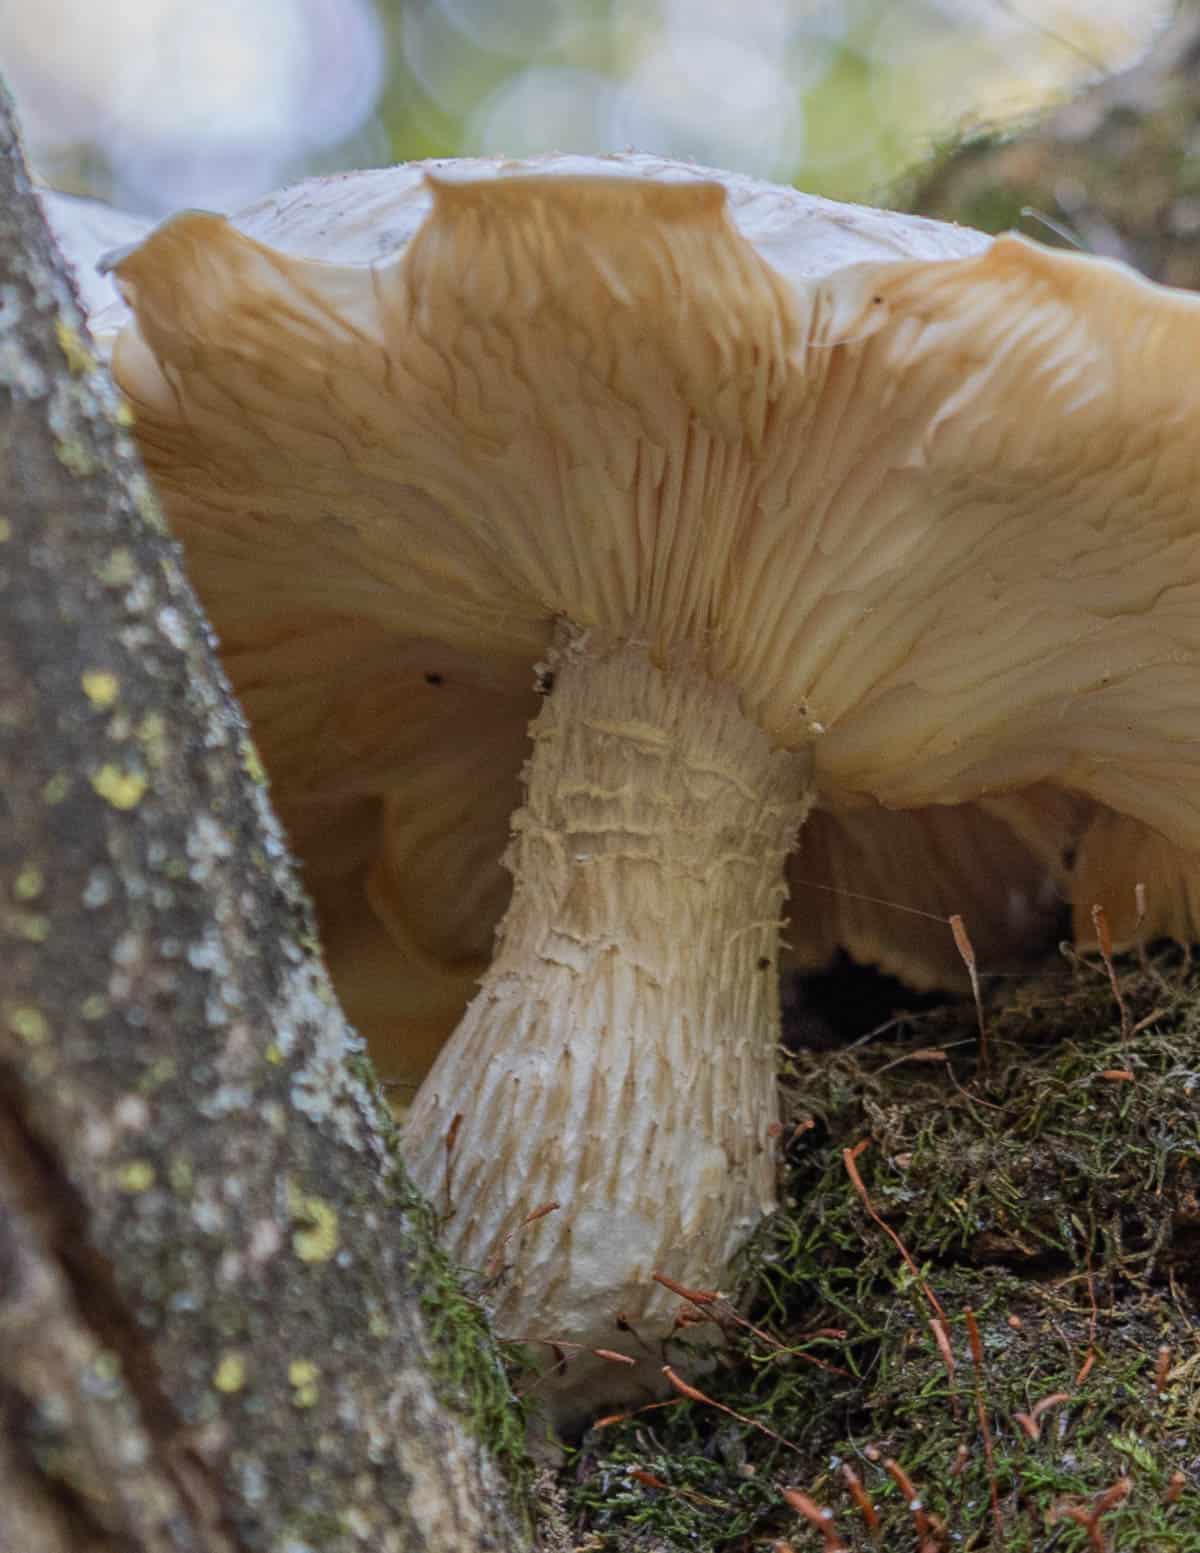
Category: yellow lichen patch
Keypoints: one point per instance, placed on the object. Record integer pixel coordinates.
(57, 788)
(107, 1366)
(230, 1374)
(152, 734)
(34, 929)
(136, 1176)
(122, 789)
(93, 1007)
(123, 414)
(302, 1376)
(251, 761)
(100, 687)
(76, 459)
(119, 570)
(317, 1238)
(29, 883)
(273, 1055)
(6, 530)
(79, 359)
(29, 1023)
(147, 506)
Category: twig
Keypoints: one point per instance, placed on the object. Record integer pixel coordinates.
(962, 942)
(976, 1343)
(1104, 939)
(849, 1158)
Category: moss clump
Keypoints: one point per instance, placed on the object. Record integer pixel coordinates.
(1055, 1198)
(988, 203)
(462, 1350)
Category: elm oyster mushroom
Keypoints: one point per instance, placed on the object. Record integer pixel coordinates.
(715, 504)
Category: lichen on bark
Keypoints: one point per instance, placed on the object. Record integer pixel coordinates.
(216, 1286)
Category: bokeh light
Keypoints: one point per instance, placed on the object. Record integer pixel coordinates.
(158, 104)
(166, 104)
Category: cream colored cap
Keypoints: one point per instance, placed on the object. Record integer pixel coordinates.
(927, 502)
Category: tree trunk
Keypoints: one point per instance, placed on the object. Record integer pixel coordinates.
(1118, 166)
(222, 1325)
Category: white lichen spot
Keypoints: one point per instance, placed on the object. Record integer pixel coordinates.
(18, 370)
(133, 1450)
(127, 950)
(173, 626)
(136, 1175)
(22, 374)
(322, 1088)
(265, 1240)
(226, 1099)
(207, 1214)
(229, 1269)
(139, 599)
(122, 789)
(208, 845)
(98, 890)
(131, 1114)
(274, 1117)
(358, 1524)
(230, 1373)
(97, 1137)
(29, 1024)
(253, 1480)
(216, 1015)
(209, 954)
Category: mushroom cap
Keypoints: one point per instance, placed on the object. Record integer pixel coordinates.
(924, 499)
(85, 230)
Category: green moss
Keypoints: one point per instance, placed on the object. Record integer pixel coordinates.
(462, 1349)
(1060, 1205)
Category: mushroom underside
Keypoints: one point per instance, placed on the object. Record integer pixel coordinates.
(846, 513)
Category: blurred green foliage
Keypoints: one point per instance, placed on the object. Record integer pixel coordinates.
(869, 85)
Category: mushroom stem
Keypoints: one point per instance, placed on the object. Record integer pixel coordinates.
(619, 1057)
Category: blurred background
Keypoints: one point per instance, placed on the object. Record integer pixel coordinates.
(157, 104)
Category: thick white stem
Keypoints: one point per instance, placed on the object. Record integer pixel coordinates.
(619, 1057)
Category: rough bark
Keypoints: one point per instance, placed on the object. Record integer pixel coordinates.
(217, 1296)
(1118, 166)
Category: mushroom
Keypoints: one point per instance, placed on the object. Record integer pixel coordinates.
(715, 504)
(85, 230)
